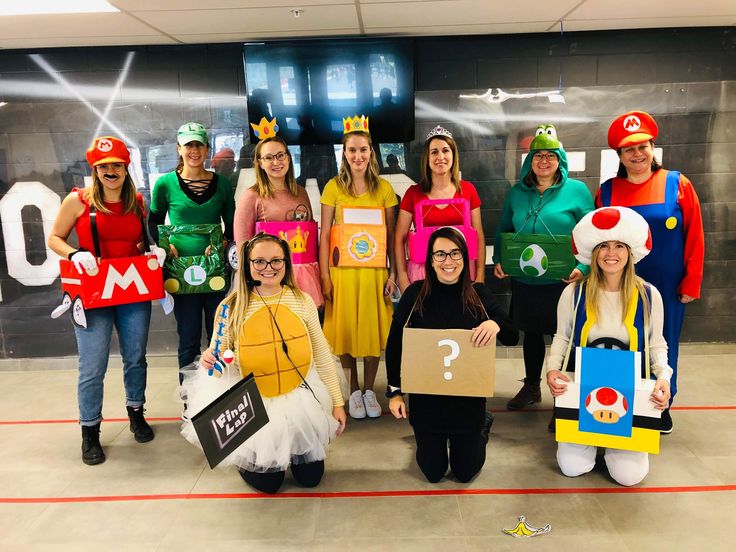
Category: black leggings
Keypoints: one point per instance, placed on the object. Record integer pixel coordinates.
(466, 458)
(307, 475)
(534, 350)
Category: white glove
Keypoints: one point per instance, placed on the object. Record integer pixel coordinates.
(84, 259)
(160, 254)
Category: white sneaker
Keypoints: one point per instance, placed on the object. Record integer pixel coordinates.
(356, 408)
(372, 408)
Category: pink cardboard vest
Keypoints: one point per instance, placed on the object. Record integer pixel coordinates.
(419, 237)
(300, 235)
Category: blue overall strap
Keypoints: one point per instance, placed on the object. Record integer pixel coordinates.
(671, 189)
(606, 190)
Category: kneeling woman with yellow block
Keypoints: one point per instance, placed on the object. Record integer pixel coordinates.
(451, 410)
(617, 405)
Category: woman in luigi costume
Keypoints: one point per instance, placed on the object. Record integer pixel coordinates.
(192, 195)
(273, 330)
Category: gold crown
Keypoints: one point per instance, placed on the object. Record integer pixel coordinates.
(264, 129)
(353, 124)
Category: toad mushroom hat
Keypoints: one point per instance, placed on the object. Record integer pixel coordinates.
(611, 224)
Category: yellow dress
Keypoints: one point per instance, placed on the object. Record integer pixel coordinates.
(358, 318)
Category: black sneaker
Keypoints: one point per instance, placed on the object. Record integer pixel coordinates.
(665, 426)
(138, 425)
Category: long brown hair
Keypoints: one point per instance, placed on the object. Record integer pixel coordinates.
(344, 177)
(239, 297)
(470, 299)
(426, 181)
(630, 283)
(263, 186)
(128, 195)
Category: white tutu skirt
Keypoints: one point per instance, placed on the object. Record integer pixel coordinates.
(299, 430)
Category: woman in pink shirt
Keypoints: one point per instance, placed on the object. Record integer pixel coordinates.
(277, 197)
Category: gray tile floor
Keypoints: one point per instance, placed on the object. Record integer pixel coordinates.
(162, 496)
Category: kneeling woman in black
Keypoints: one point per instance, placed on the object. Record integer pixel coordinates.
(446, 299)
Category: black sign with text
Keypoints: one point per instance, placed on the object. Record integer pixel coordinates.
(230, 420)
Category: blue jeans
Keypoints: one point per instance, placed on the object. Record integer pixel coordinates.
(188, 310)
(93, 342)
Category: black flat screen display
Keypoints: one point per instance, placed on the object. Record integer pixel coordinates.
(309, 86)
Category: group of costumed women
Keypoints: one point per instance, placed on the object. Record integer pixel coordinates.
(646, 214)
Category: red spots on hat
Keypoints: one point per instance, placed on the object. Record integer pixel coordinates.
(626, 404)
(574, 247)
(587, 401)
(606, 396)
(648, 243)
(605, 219)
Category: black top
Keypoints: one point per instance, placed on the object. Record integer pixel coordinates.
(443, 309)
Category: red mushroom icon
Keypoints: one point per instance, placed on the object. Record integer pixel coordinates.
(606, 405)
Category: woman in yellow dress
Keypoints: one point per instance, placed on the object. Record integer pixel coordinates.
(358, 306)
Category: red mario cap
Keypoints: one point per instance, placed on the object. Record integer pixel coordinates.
(632, 128)
(108, 149)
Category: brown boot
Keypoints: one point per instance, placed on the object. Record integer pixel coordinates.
(529, 393)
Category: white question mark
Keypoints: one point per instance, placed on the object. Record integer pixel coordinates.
(454, 353)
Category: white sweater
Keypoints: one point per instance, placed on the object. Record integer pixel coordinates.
(608, 324)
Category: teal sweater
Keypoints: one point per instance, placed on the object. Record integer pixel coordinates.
(168, 197)
(562, 206)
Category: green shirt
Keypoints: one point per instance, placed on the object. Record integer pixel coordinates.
(169, 197)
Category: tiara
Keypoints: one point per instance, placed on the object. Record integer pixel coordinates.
(438, 131)
(353, 124)
(265, 129)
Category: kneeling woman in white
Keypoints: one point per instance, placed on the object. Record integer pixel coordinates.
(611, 240)
(304, 405)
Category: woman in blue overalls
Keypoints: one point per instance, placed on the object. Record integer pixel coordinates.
(668, 202)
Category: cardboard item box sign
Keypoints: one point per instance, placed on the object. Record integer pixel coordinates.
(444, 362)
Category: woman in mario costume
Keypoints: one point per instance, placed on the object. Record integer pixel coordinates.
(118, 214)
(668, 202)
(193, 195)
(273, 330)
(545, 200)
(358, 304)
(440, 180)
(613, 303)
(277, 197)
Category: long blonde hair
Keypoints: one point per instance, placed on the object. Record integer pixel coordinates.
(630, 283)
(426, 181)
(263, 186)
(96, 195)
(238, 299)
(344, 177)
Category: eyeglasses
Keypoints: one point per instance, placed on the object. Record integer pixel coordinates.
(544, 157)
(104, 167)
(261, 264)
(280, 156)
(440, 256)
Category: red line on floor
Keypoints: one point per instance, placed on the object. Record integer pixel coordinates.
(369, 494)
(495, 410)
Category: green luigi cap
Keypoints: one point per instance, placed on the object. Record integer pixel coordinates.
(545, 139)
(191, 132)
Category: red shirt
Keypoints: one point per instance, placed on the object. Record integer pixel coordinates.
(119, 234)
(435, 215)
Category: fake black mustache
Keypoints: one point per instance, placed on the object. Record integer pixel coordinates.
(111, 176)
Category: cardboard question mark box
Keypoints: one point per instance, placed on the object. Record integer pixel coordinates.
(444, 362)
